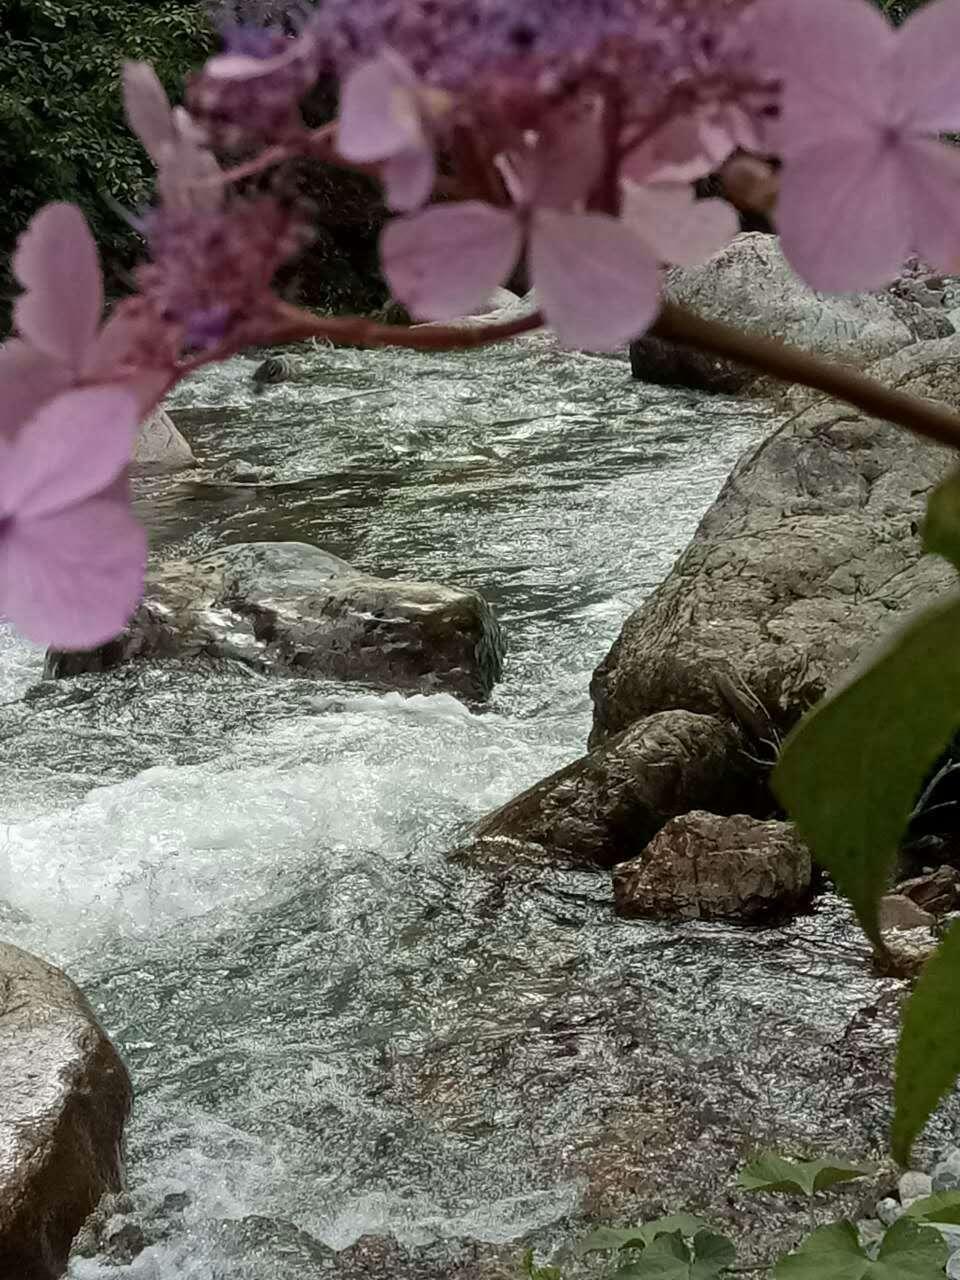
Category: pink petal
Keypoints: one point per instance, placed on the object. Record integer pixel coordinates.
(843, 215)
(682, 151)
(380, 114)
(678, 228)
(56, 262)
(597, 282)
(408, 178)
(69, 450)
(189, 178)
(73, 578)
(832, 56)
(562, 167)
(925, 66)
(28, 379)
(932, 179)
(147, 108)
(446, 261)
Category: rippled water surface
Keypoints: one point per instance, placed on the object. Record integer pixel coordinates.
(331, 1030)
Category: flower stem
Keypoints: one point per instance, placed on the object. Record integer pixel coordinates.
(294, 324)
(925, 418)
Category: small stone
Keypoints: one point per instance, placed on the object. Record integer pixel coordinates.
(122, 1239)
(914, 1186)
(953, 1266)
(871, 1232)
(946, 1172)
(889, 1210)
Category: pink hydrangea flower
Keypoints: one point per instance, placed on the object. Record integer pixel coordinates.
(387, 118)
(865, 179)
(188, 176)
(72, 557)
(597, 276)
(254, 88)
(60, 342)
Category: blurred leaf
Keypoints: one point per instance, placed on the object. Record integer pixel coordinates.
(849, 775)
(770, 1172)
(928, 1057)
(907, 1252)
(942, 1206)
(668, 1257)
(606, 1239)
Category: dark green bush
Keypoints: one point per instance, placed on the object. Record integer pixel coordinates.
(61, 119)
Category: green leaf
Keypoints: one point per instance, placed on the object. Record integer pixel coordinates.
(850, 773)
(770, 1172)
(941, 525)
(942, 1206)
(669, 1258)
(907, 1252)
(529, 1268)
(928, 1057)
(605, 1239)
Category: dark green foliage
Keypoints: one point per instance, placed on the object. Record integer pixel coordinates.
(65, 138)
(770, 1172)
(61, 117)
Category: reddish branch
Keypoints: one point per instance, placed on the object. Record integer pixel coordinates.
(923, 417)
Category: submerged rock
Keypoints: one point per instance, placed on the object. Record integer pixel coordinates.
(294, 608)
(749, 284)
(64, 1099)
(607, 805)
(701, 866)
(160, 447)
(810, 555)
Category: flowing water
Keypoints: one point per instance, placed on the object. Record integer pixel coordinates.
(332, 1031)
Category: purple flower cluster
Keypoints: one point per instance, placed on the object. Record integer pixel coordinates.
(564, 133)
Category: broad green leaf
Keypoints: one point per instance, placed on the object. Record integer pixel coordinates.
(605, 1239)
(669, 1258)
(770, 1172)
(941, 525)
(942, 1206)
(907, 1252)
(850, 773)
(928, 1057)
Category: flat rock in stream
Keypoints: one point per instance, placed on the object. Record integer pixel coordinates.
(749, 283)
(705, 867)
(607, 805)
(295, 609)
(64, 1099)
(809, 557)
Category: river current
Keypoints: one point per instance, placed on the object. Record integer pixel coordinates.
(246, 874)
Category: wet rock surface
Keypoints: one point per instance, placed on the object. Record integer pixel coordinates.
(160, 447)
(64, 1099)
(701, 866)
(604, 807)
(749, 284)
(809, 556)
(295, 608)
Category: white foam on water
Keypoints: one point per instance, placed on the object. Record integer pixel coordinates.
(179, 843)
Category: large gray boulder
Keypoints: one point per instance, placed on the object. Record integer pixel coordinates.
(810, 555)
(605, 806)
(64, 1099)
(749, 284)
(160, 447)
(295, 609)
(705, 867)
